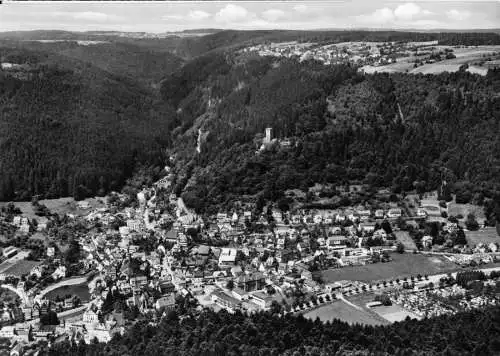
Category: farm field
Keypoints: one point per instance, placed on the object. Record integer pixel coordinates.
(345, 312)
(468, 55)
(402, 265)
(485, 235)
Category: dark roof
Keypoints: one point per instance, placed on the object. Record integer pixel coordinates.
(250, 278)
(226, 297)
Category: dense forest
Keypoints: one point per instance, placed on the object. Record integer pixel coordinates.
(399, 131)
(78, 120)
(209, 333)
(70, 128)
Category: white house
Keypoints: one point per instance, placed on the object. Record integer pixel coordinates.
(394, 213)
(227, 257)
(60, 272)
(379, 213)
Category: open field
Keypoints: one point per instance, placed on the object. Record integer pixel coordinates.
(469, 55)
(60, 206)
(486, 236)
(345, 312)
(26, 209)
(465, 209)
(394, 313)
(474, 51)
(361, 300)
(68, 205)
(405, 239)
(80, 290)
(404, 265)
(436, 68)
(19, 267)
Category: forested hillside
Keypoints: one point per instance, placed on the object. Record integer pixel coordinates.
(144, 64)
(344, 127)
(76, 120)
(70, 128)
(471, 333)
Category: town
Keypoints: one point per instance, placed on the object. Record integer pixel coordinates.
(87, 270)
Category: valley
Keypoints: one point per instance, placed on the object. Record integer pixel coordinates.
(270, 191)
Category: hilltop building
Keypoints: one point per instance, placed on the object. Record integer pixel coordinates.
(269, 135)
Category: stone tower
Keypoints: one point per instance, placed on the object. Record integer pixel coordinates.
(269, 133)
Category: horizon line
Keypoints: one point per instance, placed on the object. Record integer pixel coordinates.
(397, 29)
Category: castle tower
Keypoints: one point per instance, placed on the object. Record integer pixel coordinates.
(269, 132)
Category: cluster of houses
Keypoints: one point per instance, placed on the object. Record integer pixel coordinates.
(25, 226)
(433, 302)
(236, 260)
(348, 52)
(273, 259)
(474, 259)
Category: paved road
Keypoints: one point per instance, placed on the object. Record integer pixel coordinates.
(147, 224)
(340, 296)
(182, 206)
(72, 312)
(21, 295)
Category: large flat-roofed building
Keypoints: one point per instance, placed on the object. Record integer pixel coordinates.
(9, 251)
(225, 300)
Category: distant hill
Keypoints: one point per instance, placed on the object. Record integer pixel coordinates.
(230, 39)
(141, 63)
(188, 47)
(43, 35)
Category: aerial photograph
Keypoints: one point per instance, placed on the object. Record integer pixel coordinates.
(255, 178)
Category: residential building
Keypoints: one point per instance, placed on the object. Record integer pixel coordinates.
(91, 316)
(251, 282)
(167, 302)
(227, 257)
(394, 213)
(261, 299)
